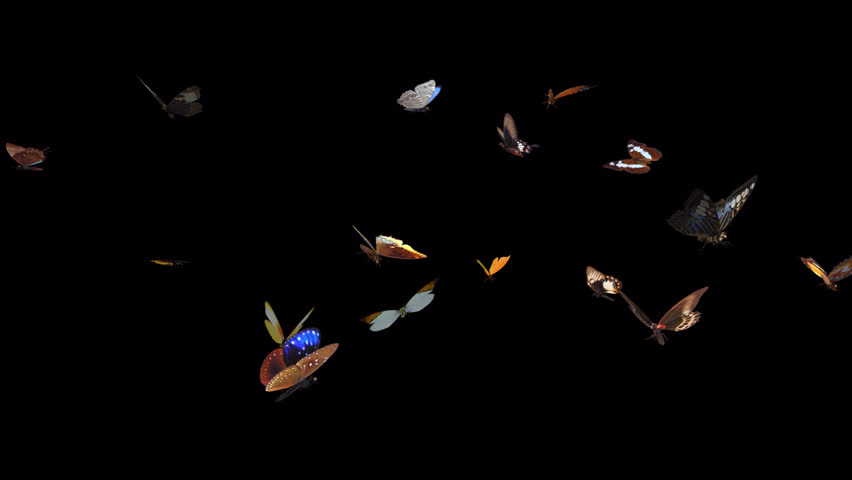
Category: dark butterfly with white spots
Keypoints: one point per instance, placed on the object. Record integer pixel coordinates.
(707, 221)
(640, 156)
(510, 141)
(184, 104)
(680, 317)
(602, 284)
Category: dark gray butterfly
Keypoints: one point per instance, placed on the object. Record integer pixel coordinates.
(184, 104)
(510, 141)
(680, 317)
(705, 220)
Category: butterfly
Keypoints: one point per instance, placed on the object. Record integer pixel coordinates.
(601, 284)
(184, 104)
(496, 265)
(551, 99)
(388, 247)
(680, 317)
(298, 357)
(26, 156)
(702, 218)
(417, 99)
(510, 141)
(640, 156)
(171, 263)
(382, 320)
(839, 272)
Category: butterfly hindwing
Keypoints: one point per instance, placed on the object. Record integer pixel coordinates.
(683, 314)
(841, 271)
(186, 103)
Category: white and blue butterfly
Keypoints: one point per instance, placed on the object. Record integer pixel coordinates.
(417, 100)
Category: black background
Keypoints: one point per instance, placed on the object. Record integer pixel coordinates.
(301, 137)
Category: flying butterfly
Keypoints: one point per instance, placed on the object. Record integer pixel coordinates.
(510, 141)
(551, 98)
(680, 317)
(388, 247)
(839, 272)
(170, 263)
(602, 284)
(184, 104)
(496, 265)
(707, 221)
(26, 157)
(417, 100)
(382, 320)
(640, 156)
(276, 375)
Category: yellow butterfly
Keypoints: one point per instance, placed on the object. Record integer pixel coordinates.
(274, 328)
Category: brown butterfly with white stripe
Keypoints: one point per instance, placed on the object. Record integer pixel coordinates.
(680, 317)
(640, 156)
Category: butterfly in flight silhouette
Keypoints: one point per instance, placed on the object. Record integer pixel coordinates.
(551, 98)
(184, 104)
(680, 317)
(839, 272)
(707, 221)
(641, 156)
(417, 100)
(384, 319)
(510, 141)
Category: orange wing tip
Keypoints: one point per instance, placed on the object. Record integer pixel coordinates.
(394, 248)
(370, 318)
(428, 286)
(572, 90)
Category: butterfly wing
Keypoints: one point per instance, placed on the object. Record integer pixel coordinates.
(300, 345)
(382, 320)
(643, 153)
(814, 267)
(271, 366)
(683, 314)
(315, 360)
(483, 267)
(572, 90)
(497, 264)
(426, 92)
(156, 97)
(370, 244)
(422, 298)
(510, 131)
(25, 156)
(394, 248)
(419, 97)
(272, 325)
(186, 103)
(841, 271)
(601, 283)
(628, 165)
(696, 217)
(728, 208)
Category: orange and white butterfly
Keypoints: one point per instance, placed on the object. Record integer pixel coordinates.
(841, 271)
(382, 320)
(496, 265)
(551, 98)
(640, 156)
(388, 247)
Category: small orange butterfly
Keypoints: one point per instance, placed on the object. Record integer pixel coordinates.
(551, 98)
(496, 265)
(841, 271)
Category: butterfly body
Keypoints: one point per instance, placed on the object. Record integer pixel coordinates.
(26, 157)
(510, 141)
(680, 317)
(417, 100)
(641, 156)
(700, 217)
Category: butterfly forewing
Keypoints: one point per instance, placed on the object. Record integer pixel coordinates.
(186, 103)
(299, 345)
(640, 151)
(645, 319)
(841, 271)
(302, 369)
(394, 248)
(25, 156)
(571, 91)
(510, 132)
(683, 314)
(727, 209)
(695, 218)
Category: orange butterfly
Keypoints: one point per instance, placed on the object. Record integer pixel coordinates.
(839, 272)
(388, 247)
(551, 98)
(496, 265)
